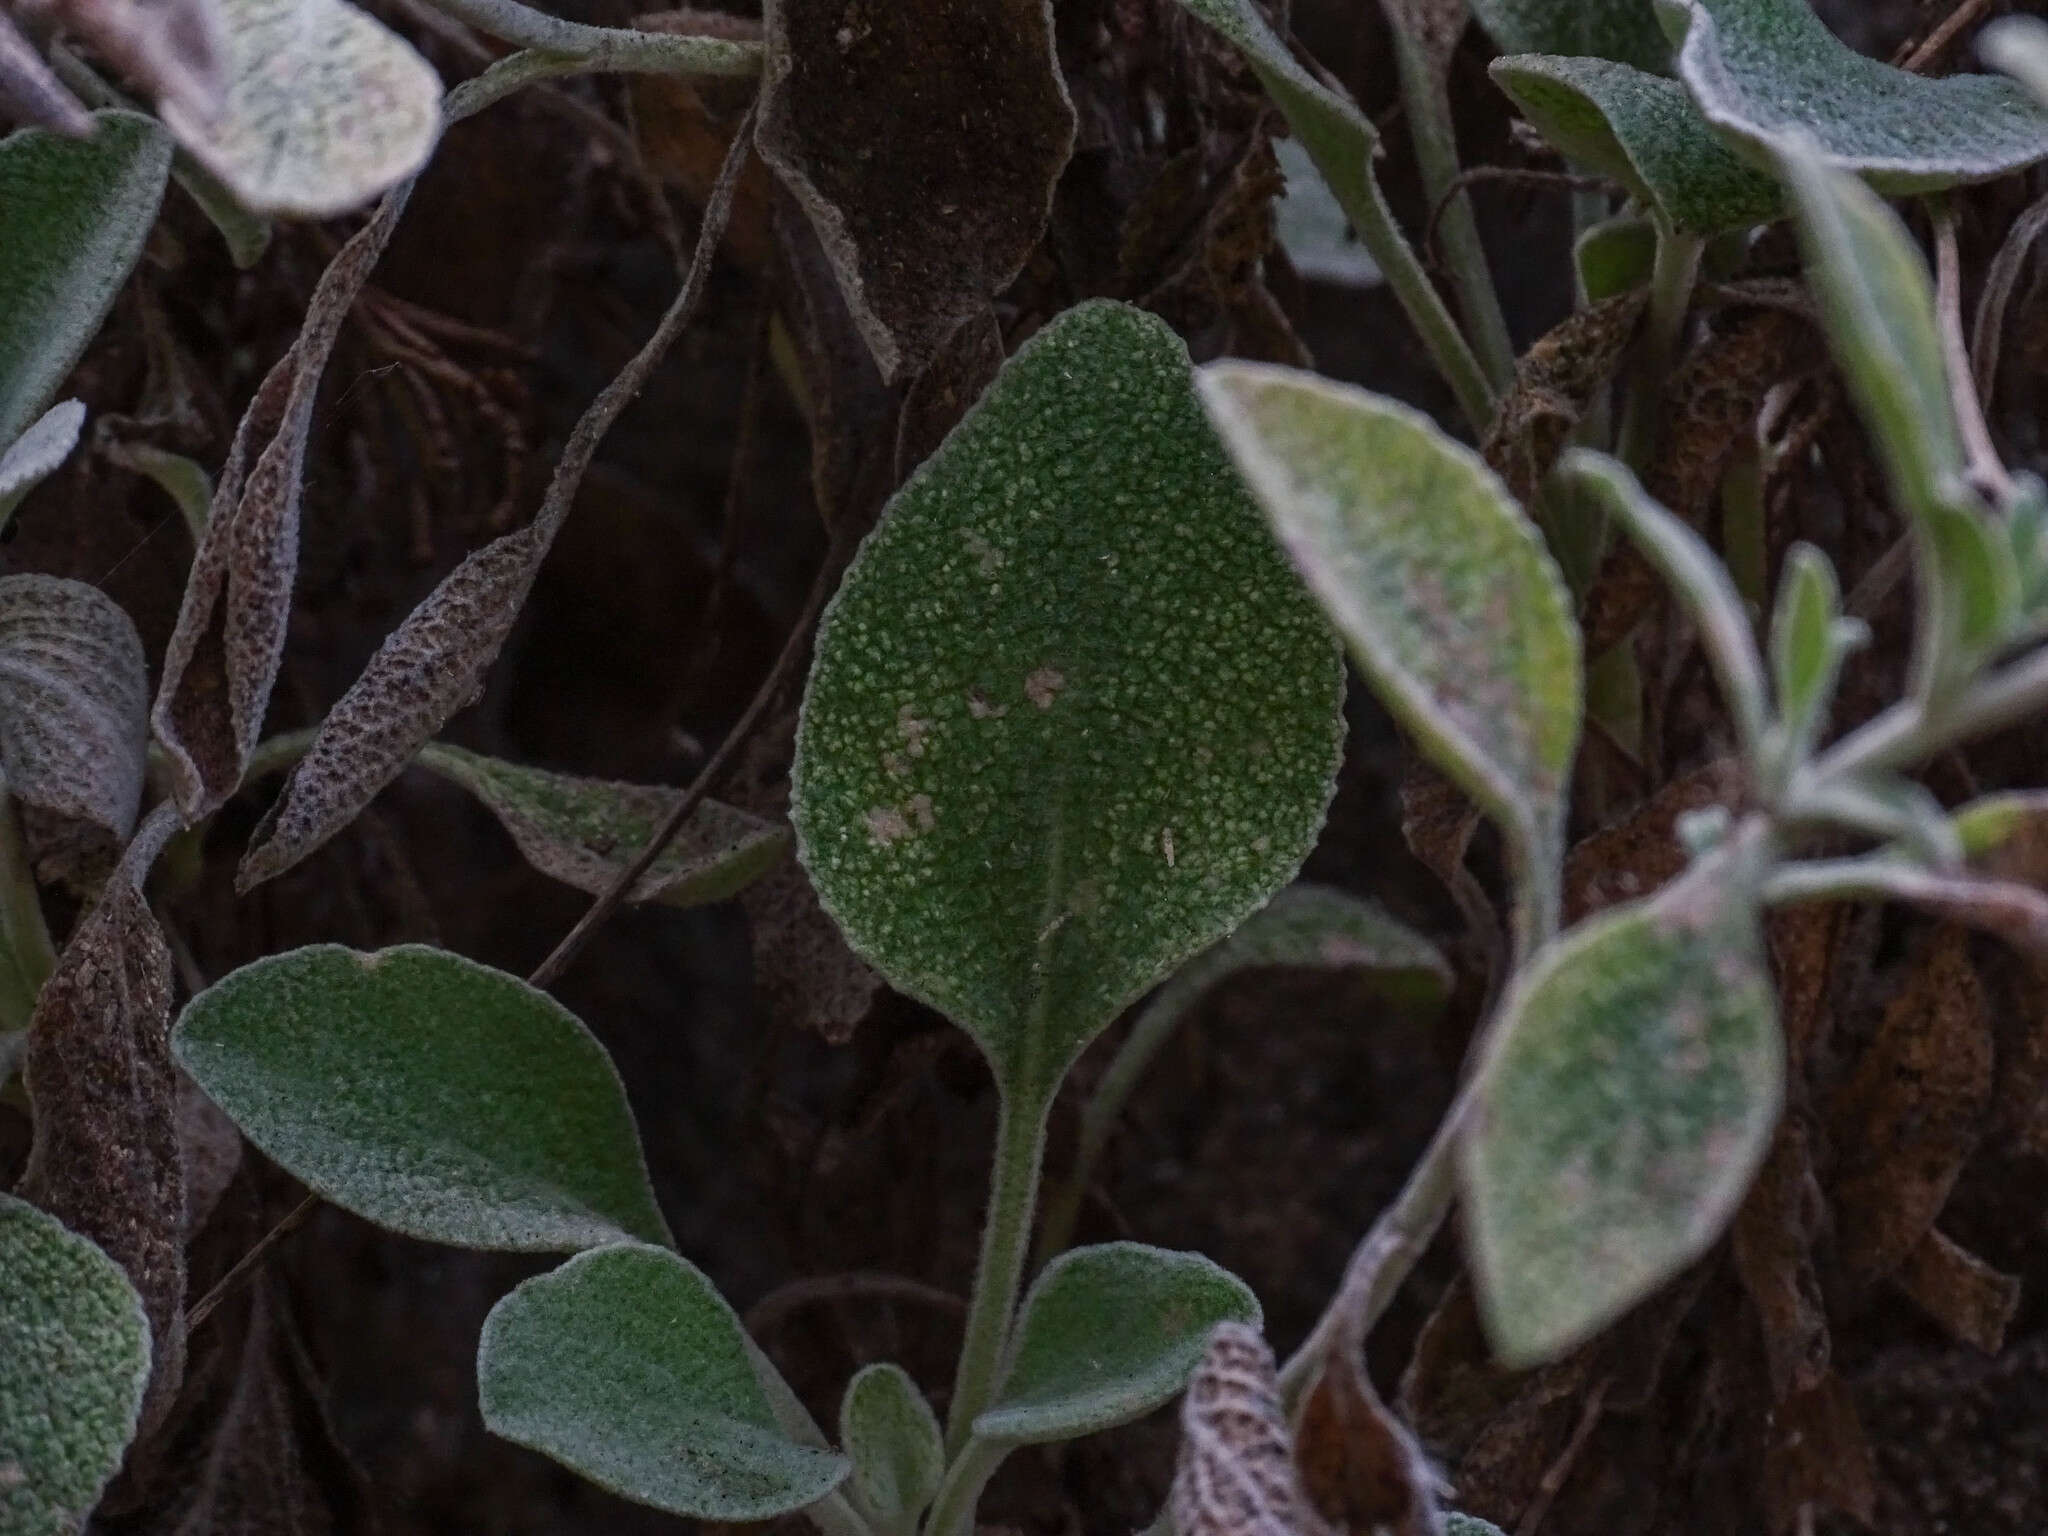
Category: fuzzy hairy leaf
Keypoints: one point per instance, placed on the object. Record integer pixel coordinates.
(1763, 70)
(1106, 1334)
(76, 1348)
(427, 1093)
(1314, 926)
(1615, 255)
(1643, 130)
(1623, 30)
(1626, 1101)
(77, 212)
(584, 832)
(1453, 608)
(35, 455)
(2019, 46)
(1071, 718)
(627, 1366)
(894, 1441)
(325, 108)
(74, 702)
(1809, 639)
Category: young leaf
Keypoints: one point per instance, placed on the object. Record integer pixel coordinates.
(326, 107)
(1615, 255)
(426, 1093)
(1623, 30)
(2019, 46)
(897, 1448)
(35, 455)
(1766, 70)
(965, 124)
(1108, 1334)
(76, 1349)
(1809, 640)
(1453, 609)
(584, 831)
(626, 1366)
(1644, 131)
(1626, 1100)
(77, 212)
(74, 703)
(1071, 718)
(1235, 1475)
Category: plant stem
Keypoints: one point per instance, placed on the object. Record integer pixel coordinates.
(952, 1512)
(1005, 1235)
(1671, 283)
(1436, 156)
(620, 48)
(30, 957)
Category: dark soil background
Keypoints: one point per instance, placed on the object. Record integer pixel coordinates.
(335, 1390)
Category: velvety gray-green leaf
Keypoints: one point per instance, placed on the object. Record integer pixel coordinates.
(584, 832)
(326, 107)
(74, 1357)
(1763, 70)
(1809, 640)
(1456, 1524)
(1454, 609)
(35, 455)
(1643, 130)
(1307, 220)
(898, 1451)
(1615, 255)
(2019, 46)
(1107, 1334)
(1317, 927)
(1624, 30)
(1625, 1103)
(626, 1366)
(426, 1093)
(76, 214)
(1071, 717)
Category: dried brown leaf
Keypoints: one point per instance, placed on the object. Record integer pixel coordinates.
(1971, 1300)
(224, 654)
(962, 368)
(74, 702)
(1360, 1466)
(1817, 1459)
(1912, 1112)
(210, 1152)
(923, 139)
(1773, 1245)
(804, 975)
(1643, 853)
(1236, 1474)
(1554, 382)
(106, 1159)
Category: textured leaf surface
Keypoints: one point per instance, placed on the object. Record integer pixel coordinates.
(76, 1349)
(1643, 130)
(627, 1366)
(1071, 717)
(963, 125)
(894, 1440)
(1451, 604)
(1106, 1334)
(74, 702)
(584, 832)
(1624, 1106)
(1236, 1475)
(426, 1093)
(325, 108)
(35, 454)
(1624, 30)
(1762, 70)
(76, 214)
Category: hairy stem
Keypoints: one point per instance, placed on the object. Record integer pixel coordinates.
(973, 1465)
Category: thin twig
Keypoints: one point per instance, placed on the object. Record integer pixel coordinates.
(1986, 471)
(1939, 39)
(1987, 335)
(221, 1287)
(772, 1310)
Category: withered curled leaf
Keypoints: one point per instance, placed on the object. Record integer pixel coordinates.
(1236, 1474)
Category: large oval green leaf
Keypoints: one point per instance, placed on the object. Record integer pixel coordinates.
(1072, 718)
(1453, 607)
(426, 1093)
(627, 1366)
(1107, 1334)
(73, 214)
(1625, 30)
(74, 1358)
(1643, 130)
(1624, 1105)
(1763, 70)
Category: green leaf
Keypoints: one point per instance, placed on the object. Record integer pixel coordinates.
(326, 108)
(1615, 255)
(426, 1093)
(2019, 46)
(1998, 828)
(1071, 718)
(898, 1451)
(1313, 926)
(1456, 1524)
(1321, 244)
(1456, 613)
(1624, 30)
(76, 214)
(1766, 70)
(1809, 641)
(626, 1366)
(74, 1358)
(1642, 130)
(1108, 1334)
(34, 456)
(584, 832)
(1624, 1104)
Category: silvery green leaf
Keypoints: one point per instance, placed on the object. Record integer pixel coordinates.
(2019, 46)
(1071, 717)
(626, 1366)
(76, 214)
(35, 455)
(894, 1441)
(1809, 641)
(1615, 255)
(1766, 70)
(1319, 240)
(1623, 30)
